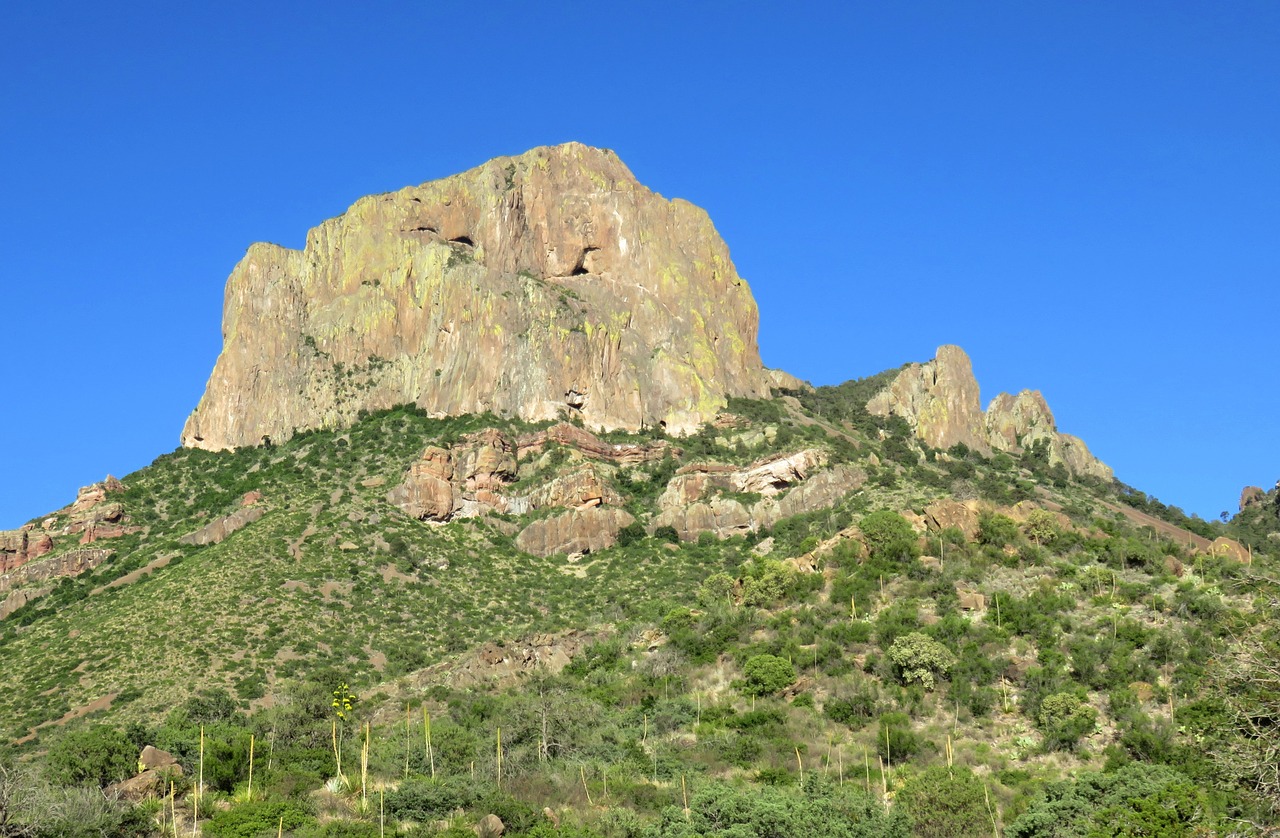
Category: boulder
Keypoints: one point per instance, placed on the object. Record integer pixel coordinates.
(427, 490)
(945, 513)
(539, 286)
(575, 531)
(154, 758)
(1229, 548)
(490, 826)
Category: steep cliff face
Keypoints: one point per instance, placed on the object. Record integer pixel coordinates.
(940, 401)
(1016, 423)
(542, 285)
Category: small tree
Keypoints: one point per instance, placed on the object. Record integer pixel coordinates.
(99, 754)
(917, 657)
(996, 529)
(1041, 526)
(946, 803)
(766, 674)
(889, 537)
(1064, 719)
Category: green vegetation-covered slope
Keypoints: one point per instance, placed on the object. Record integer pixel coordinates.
(1064, 666)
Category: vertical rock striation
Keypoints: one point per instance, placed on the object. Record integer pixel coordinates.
(543, 285)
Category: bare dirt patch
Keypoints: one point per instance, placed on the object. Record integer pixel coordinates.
(103, 703)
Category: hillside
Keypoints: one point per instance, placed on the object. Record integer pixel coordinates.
(1030, 587)
(868, 609)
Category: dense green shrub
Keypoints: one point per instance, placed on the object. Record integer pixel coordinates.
(97, 755)
(947, 803)
(767, 674)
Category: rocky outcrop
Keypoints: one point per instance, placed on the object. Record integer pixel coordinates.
(725, 517)
(583, 487)
(475, 475)
(1252, 496)
(773, 474)
(17, 599)
(939, 399)
(217, 531)
(17, 547)
(779, 380)
(766, 477)
(947, 513)
(543, 285)
(589, 445)
(73, 563)
(1016, 423)
(427, 490)
(1229, 548)
(94, 494)
(575, 531)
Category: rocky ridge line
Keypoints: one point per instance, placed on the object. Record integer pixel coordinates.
(939, 399)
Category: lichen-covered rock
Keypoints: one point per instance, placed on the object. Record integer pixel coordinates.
(575, 531)
(1229, 548)
(542, 285)
(939, 399)
(1016, 423)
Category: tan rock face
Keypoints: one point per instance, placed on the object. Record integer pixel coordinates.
(68, 564)
(1251, 496)
(589, 445)
(946, 512)
(1229, 548)
(427, 490)
(539, 285)
(474, 476)
(939, 399)
(1015, 423)
(219, 530)
(574, 531)
(727, 517)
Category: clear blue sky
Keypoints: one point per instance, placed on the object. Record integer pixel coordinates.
(1084, 195)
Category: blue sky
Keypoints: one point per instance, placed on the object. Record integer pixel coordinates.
(1085, 196)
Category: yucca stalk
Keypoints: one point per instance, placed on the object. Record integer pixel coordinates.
(364, 770)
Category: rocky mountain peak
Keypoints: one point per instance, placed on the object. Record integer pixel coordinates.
(940, 401)
(545, 285)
